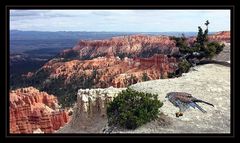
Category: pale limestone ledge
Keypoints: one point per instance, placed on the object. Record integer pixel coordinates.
(38, 131)
(89, 113)
(98, 98)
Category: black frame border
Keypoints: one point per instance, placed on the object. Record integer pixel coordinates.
(108, 7)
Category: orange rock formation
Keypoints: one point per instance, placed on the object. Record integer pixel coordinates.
(223, 36)
(111, 71)
(31, 109)
(133, 44)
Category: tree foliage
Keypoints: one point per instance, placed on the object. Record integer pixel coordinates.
(131, 109)
(201, 45)
(145, 77)
(200, 49)
(184, 66)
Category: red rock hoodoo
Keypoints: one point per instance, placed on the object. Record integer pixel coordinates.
(112, 71)
(31, 109)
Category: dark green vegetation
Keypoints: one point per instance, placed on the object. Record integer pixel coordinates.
(17, 68)
(191, 54)
(74, 55)
(152, 51)
(146, 53)
(184, 66)
(131, 109)
(66, 92)
(36, 80)
(145, 77)
(123, 55)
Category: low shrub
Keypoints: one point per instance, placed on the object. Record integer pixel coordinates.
(131, 109)
(184, 66)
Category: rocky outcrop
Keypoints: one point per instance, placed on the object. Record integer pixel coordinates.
(90, 110)
(112, 71)
(134, 45)
(31, 109)
(223, 36)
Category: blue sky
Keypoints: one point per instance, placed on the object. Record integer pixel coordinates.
(119, 20)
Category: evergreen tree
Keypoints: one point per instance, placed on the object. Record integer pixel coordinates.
(207, 23)
(131, 109)
(200, 39)
(145, 77)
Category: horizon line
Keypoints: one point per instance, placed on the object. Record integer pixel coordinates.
(111, 31)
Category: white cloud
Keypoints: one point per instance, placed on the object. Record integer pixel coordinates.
(118, 20)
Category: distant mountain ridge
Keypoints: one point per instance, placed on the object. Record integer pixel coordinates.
(33, 35)
(21, 41)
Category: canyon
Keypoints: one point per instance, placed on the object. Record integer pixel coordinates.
(141, 58)
(112, 71)
(118, 62)
(89, 75)
(32, 111)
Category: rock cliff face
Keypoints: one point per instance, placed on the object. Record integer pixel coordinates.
(134, 45)
(90, 110)
(107, 58)
(112, 71)
(223, 36)
(32, 110)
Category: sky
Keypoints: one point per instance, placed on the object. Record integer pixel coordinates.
(119, 20)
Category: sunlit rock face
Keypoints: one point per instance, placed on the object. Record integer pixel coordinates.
(133, 44)
(111, 71)
(223, 36)
(90, 110)
(32, 110)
